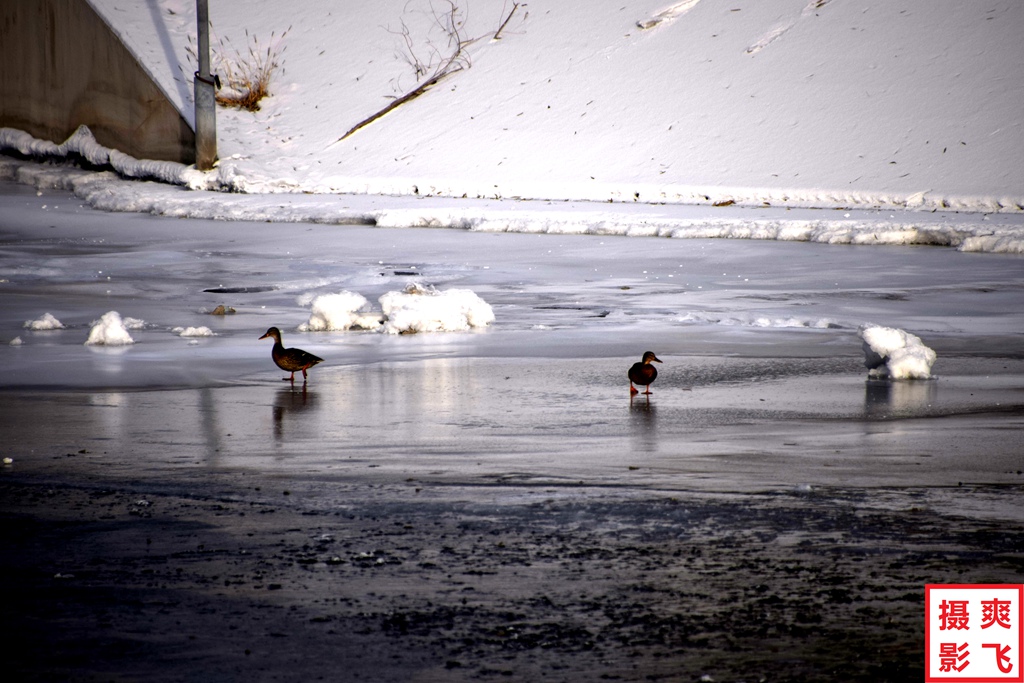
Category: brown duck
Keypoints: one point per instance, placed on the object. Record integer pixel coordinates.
(643, 373)
(290, 360)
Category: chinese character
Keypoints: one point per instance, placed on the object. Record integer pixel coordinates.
(1002, 659)
(995, 611)
(948, 656)
(953, 615)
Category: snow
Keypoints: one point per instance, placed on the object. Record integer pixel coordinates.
(425, 309)
(201, 331)
(912, 106)
(110, 330)
(895, 354)
(703, 318)
(45, 322)
(340, 311)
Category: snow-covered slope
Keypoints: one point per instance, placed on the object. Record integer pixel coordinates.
(790, 102)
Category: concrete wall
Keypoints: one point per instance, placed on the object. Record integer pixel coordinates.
(62, 66)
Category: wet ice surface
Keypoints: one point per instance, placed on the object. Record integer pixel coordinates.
(762, 387)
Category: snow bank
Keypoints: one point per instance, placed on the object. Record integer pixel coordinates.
(82, 145)
(341, 311)
(45, 322)
(909, 228)
(996, 233)
(110, 330)
(424, 309)
(896, 354)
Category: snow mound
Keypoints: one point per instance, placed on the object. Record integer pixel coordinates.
(341, 311)
(201, 331)
(45, 322)
(424, 309)
(16, 342)
(893, 353)
(110, 330)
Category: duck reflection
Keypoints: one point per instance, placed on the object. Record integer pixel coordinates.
(643, 417)
(290, 401)
(898, 398)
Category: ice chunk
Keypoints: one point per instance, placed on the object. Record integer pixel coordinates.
(424, 309)
(110, 330)
(202, 331)
(44, 322)
(341, 311)
(894, 353)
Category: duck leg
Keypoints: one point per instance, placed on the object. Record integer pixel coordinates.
(632, 389)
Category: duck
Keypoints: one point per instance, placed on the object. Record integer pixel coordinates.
(290, 360)
(643, 373)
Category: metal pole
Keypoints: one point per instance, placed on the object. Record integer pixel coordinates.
(205, 95)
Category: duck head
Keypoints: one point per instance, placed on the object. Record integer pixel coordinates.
(274, 333)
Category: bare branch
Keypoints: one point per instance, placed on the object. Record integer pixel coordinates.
(456, 60)
(497, 34)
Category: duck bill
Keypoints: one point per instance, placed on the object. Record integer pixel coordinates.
(265, 335)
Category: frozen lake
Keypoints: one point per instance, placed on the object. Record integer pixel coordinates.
(762, 387)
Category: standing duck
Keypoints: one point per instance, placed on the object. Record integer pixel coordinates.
(643, 373)
(290, 360)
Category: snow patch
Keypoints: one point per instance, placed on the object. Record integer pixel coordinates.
(894, 353)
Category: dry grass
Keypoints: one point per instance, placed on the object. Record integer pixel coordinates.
(245, 77)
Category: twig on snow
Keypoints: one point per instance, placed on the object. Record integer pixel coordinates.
(453, 63)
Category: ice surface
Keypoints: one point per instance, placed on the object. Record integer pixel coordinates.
(762, 384)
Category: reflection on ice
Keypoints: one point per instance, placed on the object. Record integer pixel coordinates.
(289, 402)
(109, 360)
(898, 398)
(643, 424)
(546, 419)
